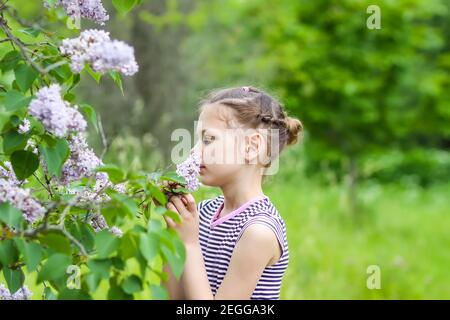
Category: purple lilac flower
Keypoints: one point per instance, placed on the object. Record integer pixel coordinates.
(24, 127)
(22, 294)
(8, 173)
(99, 223)
(82, 161)
(103, 54)
(116, 231)
(190, 170)
(89, 9)
(56, 114)
(21, 199)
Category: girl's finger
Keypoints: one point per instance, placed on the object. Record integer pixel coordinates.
(180, 206)
(190, 203)
(171, 207)
(170, 222)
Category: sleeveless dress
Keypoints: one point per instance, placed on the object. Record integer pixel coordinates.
(218, 237)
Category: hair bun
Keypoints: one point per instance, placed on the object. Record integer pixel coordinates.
(295, 128)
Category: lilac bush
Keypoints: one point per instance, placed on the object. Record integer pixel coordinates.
(60, 204)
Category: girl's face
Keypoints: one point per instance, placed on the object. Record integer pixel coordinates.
(223, 150)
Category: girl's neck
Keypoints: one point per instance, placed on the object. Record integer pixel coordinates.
(238, 193)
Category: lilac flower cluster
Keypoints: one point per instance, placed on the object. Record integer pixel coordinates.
(21, 199)
(82, 161)
(99, 223)
(56, 114)
(8, 173)
(22, 294)
(89, 9)
(189, 170)
(103, 54)
(96, 194)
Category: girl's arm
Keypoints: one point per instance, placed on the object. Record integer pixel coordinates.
(256, 249)
(172, 285)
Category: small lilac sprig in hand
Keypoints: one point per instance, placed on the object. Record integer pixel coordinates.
(185, 179)
(190, 170)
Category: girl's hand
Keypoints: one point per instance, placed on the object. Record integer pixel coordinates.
(186, 207)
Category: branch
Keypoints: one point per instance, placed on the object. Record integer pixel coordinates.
(22, 47)
(70, 237)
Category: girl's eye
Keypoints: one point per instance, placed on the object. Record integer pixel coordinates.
(208, 140)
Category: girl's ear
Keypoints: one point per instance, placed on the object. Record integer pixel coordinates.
(253, 146)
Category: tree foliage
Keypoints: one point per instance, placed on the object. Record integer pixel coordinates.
(69, 247)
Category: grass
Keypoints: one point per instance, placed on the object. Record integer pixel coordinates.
(404, 231)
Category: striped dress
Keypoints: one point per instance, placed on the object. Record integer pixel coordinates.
(218, 238)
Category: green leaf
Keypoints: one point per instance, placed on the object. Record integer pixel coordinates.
(13, 141)
(128, 246)
(95, 75)
(24, 163)
(91, 115)
(100, 267)
(92, 281)
(149, 246)
(115, 173)
(154, 225)
(116, 293)
(14, 279)
(25, 76)
(73, 294)
(49, 294)
(173, 176)
(10, 215)
(31, 31)
(126, 203)
(132, 284)
(75, 80)
(106, 243)
(124, 6)
(10, 60)
(176, 260)
(157, 194)
(159, 292)
(56, 242)
(15, 100)
(4, 119)
(54, 268)
(174, 216)
(8, 252)
(55, 155)
(117, 80)
(32, 253)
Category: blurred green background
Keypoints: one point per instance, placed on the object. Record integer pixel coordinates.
(369, 184)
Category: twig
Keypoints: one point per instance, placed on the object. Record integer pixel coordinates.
(42, 184)
(19, 43)
(103, 137)
(70, 237)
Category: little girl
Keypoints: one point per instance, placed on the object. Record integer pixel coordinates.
(236, 244)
